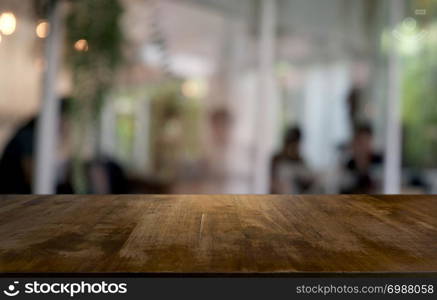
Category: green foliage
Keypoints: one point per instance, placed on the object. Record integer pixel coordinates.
(97, 22)
(93, 66)
(174, 134)
(420, 104)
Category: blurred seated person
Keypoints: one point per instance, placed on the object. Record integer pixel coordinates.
(17, 161)
(289, 173)
(106, 176)
(362, 170)
(218, 174)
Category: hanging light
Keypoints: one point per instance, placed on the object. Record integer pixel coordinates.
(8, 22)
(42, 29)
(81, 45)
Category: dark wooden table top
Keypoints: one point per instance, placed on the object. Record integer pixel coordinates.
(218, 234)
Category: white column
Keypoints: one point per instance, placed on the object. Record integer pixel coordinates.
(48, 121)
(393, 158)
(266, 104)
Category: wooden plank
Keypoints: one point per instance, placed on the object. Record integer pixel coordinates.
(218, 233)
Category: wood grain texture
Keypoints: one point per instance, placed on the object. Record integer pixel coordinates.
(218, 233)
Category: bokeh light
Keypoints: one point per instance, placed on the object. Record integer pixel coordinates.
(194, 88)
(42, 29)
(81, 45)
(8, 23)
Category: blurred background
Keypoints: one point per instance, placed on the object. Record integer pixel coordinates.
(218, 96)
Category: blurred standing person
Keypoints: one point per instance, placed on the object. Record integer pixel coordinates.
(217, 160)
(170, 144)
(17, 161)
(354, 104)
(361, 170)
(289, 173)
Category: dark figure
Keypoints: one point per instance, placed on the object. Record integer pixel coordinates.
(105, 176)
(354, 103)
(361, 170)
(289, 174)
(17, 162)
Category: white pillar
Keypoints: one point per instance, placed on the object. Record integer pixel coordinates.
(266, 104)
(48, 121)
(393, 144)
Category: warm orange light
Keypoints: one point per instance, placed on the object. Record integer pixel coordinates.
(8, 22)
(42, 29)
(81, 45)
